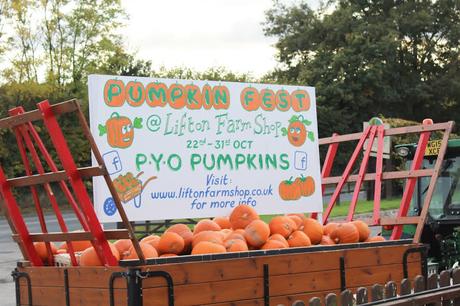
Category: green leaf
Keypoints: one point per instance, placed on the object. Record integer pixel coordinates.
(306, 122)
(311, 136)
(294, 119)
(284, 131)
(102, 129)
(137, 123)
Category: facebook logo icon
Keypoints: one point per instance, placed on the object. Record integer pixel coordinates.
(300, 160)
(112, 162)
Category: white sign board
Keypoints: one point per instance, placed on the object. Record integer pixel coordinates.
(190, 149)
(386, 142)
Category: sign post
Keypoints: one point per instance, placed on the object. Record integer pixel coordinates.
(192, 149)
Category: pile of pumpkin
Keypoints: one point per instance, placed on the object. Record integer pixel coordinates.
(243, 230)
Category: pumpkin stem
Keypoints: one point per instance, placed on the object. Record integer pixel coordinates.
(115, 114)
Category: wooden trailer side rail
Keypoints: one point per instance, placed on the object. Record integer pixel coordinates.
(269, 277)
(21, 123)
(378, 131)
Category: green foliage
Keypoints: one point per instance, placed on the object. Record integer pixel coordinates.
(211, 74)
(396, 58)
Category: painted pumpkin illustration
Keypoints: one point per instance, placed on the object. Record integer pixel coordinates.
(114, 93)
(289, 190)
(250, 98)
(119, 130)
(297, 131)
(307, 185)
(136, 93)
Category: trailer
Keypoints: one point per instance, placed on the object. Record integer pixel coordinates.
(257, 277)
(247, 278)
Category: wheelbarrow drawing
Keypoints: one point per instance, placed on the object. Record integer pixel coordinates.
(130, 187)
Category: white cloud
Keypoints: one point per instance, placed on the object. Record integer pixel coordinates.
(201, 33)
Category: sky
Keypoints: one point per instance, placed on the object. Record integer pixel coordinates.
(200, 34)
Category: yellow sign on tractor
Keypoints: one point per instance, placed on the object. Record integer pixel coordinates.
(432, 148)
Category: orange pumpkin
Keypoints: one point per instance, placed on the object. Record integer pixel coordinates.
(223, 222)
(225, 233)
(153, 240)
(177, 98)
(298, 239)
(206, 225)
(345, 233)
(283, 100)
(210, 236)
(171, 242)
(206, 247)
(375, 239)
(250, 98)
(120, 131)
(289, 191)
(326, 240)
(40, 248)
(363, 229)
(300, 215)
(61, 251)
(282, 225)
(235, 245)
(257, 233)
(267, 99)
(123, 245)
(300, 100)
(242, 215)
(313, 229)
(239, 231)
(279, 238)
(207, 96)
(388, 227)
(235, 235)
(89, 256)
(135, 93)
(156, 94)
(221, 97)
(273, 244)
(148, 250)
(329, 228)
(114, 93)
(78, 246)
(307, 185)
(297, 220)
(194, 98)
(185, 232)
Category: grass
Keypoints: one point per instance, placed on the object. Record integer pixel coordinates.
(338, 210)
(361, 208)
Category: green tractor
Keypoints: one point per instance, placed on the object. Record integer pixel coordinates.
(442, 228)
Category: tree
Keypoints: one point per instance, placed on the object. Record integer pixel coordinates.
(393, 57)
(61, 40)
(79, 41)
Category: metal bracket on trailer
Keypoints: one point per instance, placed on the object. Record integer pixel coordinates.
(16, 277)
(266, 286)
(66, 287)
(423, 260)
(134, 279)
(343, 285)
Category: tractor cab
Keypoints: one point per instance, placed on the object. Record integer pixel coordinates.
(442, 227)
